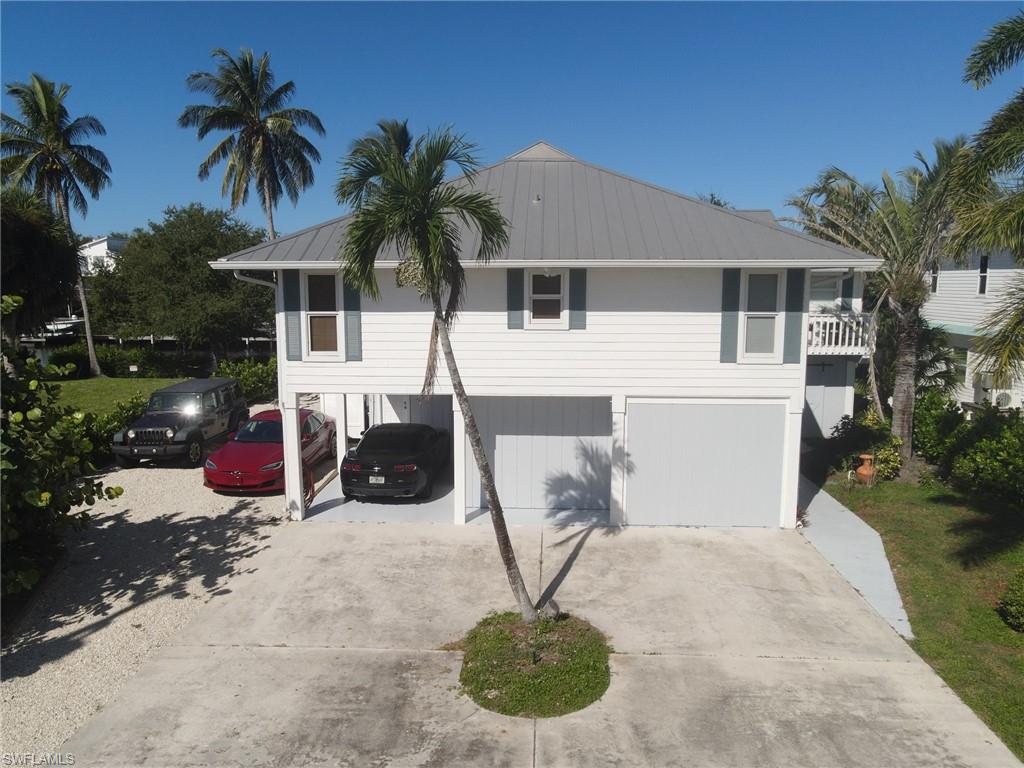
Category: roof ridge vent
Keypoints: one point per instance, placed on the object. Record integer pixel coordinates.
(541, 150)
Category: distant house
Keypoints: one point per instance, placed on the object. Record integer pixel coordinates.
(960, 299)
(634, 352)
(99, 253)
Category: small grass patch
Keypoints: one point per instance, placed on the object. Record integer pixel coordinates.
(545, 669)
(952, 556)
(99, 394)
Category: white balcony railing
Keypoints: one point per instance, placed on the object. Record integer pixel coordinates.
(839, 333)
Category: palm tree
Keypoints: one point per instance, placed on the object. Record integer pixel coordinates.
(400, 200)
(899, 223)
(263, 144)
(43, 151)
(987, 194)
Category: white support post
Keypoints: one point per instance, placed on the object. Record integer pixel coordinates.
(458, 464)
(290, 423)
(617, 513)
(791, 467)
(341, 428)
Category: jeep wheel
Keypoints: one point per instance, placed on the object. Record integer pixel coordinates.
(125, 462)
(334, 446)
(194, 452)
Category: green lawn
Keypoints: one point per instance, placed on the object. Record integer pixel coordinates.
(99, 394)
(952, 556)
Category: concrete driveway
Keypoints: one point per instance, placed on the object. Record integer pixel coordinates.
(733, 648)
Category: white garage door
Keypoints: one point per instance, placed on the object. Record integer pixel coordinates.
(704, 463)
(547, 452)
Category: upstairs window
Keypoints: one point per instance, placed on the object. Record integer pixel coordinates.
(935, 276)
(761, 329)
(546, 292)
(983, 275)
(824, 290)
(960, 364)
(323, 315)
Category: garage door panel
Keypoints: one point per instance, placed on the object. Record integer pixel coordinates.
(546, 452)
(704, 464)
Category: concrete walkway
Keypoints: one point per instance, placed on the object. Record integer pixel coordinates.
(854, 549)
(732, 648)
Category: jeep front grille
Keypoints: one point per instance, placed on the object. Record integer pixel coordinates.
(149, 436)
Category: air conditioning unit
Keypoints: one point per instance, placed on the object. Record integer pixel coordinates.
(1002, 400)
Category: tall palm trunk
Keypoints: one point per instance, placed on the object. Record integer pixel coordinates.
(268, 206)
(94, 363)
(508, 555)
(904, 387)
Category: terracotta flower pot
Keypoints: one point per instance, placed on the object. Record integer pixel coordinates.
(866, 470)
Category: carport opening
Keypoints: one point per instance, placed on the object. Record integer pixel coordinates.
(435, 411)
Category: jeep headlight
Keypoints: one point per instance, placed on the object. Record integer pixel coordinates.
(131, 434)
(169, 433)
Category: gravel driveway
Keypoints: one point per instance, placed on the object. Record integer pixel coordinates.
(130, 581)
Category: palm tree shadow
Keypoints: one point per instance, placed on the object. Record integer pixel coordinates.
(120, 564)
(581, 500)
(996, 527)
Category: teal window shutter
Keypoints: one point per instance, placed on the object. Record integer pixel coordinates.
(847, 294)
(292, 314)
(795, 330)
(514, 281)
(730, 314)
(577, 299)
(353, 322)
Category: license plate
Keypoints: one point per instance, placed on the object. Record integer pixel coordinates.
(376, 479)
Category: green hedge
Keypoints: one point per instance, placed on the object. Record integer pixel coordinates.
(258, 379)
(117, 361)
(1011, 606)
(984, 454)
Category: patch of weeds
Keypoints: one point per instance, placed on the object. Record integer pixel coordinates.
(545, 669)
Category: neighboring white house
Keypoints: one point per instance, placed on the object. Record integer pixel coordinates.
(960, 299)
(634, 351)
(99, 253)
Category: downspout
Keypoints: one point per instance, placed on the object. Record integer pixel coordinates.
(254, 280)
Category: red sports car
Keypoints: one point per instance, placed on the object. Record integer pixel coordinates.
(253, 458)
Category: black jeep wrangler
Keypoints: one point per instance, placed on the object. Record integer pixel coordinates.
(180, 419)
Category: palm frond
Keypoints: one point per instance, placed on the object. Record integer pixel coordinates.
(1002, 343)
(1001, 49)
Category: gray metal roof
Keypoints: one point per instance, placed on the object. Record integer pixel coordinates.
(564, 210)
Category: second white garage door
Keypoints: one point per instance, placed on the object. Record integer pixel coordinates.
(547, 452)
(694, 463)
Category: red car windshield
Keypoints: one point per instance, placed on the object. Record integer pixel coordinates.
(259, 431)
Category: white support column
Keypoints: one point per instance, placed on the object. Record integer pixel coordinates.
(851, 375)
(617, 513)
(458, 464)
(292, 456)
(791, 467)
(341, 427)
(280, 348)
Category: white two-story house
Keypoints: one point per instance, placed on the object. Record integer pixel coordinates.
(635, 354)
(961, 298)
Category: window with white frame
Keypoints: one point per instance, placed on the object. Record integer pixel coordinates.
(935, 276)
(983, 275)
(824, 290)
(323, 316)
(546, 292)
(761, 329)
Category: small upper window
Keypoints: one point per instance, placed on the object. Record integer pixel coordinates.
(983, 275)
(547, 300)
(824, 289)
(322, 313)
(761, 322)
(935, 276)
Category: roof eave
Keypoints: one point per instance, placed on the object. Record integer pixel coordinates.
(866, 264)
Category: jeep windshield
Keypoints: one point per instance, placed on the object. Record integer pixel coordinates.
(180, 402)
(260, 431)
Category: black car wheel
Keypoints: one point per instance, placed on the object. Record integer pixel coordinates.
(334, 446)
(194, 452)
(428, 490)
(125, 461)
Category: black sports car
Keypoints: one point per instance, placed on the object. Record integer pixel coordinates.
(397, 460)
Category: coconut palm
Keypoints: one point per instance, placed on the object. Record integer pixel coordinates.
(899, 223)
(401, 201)
(44, 151)
(263, 145)
(987, 194)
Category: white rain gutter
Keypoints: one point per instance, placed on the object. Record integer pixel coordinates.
(254, 280)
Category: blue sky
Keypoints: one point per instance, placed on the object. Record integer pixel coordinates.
(747, 100)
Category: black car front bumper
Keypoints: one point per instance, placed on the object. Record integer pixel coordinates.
(168, 450)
